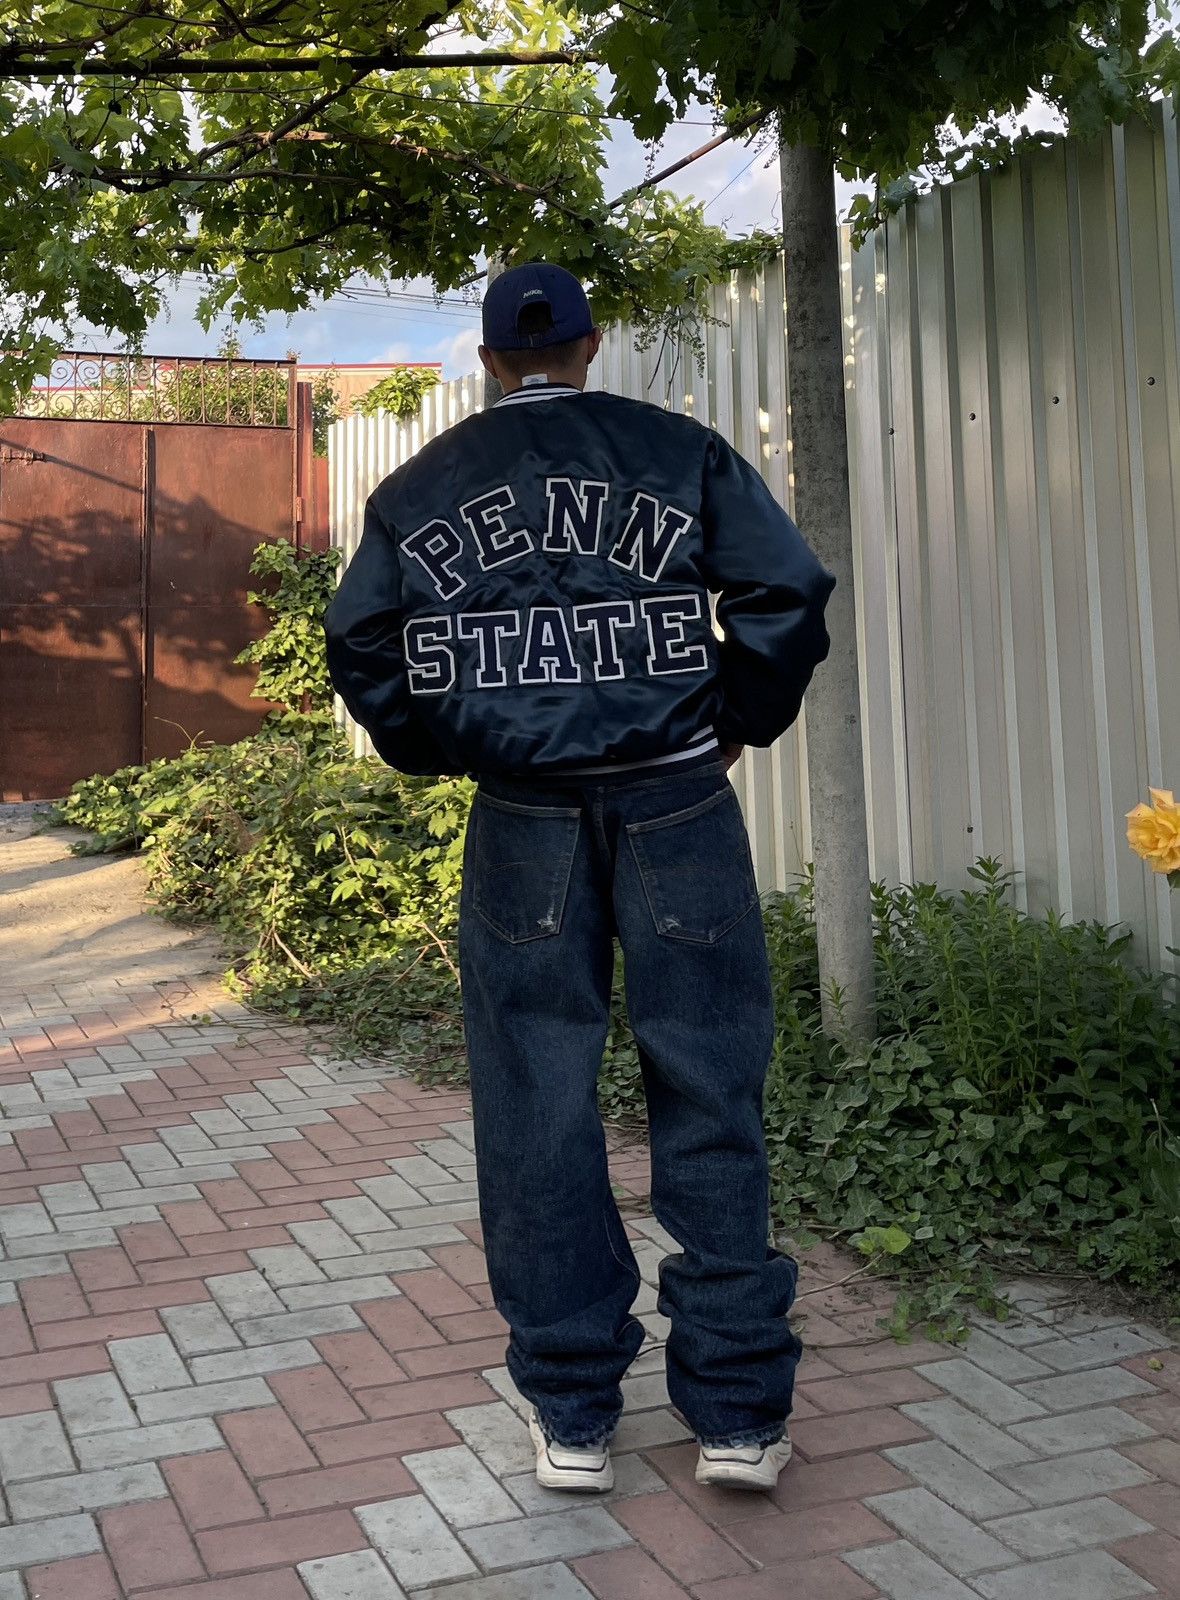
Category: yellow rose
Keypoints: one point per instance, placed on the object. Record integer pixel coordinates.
(1153, 831)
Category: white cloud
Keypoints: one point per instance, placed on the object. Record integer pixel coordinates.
(459, 356)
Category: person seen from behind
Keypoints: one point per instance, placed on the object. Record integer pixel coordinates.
(530, 605)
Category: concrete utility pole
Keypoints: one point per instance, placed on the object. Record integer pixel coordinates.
(491, 386)
(819, 458)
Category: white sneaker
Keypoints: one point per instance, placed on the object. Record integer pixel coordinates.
(577, 1469)
(748, 1468)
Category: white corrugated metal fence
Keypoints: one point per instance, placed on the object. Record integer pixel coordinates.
(1014, 414)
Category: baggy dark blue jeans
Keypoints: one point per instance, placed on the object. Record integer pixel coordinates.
(554, 872)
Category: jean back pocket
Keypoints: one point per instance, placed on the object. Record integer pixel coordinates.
(696, 869)
(519, 860)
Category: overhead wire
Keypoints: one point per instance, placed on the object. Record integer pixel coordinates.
(740, 173)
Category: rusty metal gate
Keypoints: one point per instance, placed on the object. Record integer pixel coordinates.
(126, 533)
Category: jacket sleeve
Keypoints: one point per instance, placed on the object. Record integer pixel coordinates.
(363, 630)
(772, 593)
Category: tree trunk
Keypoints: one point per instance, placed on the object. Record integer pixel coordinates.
(492, 391)
(819, 459)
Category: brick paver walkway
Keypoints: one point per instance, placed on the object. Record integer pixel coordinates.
(246, 1353)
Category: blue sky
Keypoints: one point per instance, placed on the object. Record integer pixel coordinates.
(739, 186)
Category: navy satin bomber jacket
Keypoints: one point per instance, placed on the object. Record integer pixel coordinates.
(531, 595)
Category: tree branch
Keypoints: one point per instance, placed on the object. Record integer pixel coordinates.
(31, 68)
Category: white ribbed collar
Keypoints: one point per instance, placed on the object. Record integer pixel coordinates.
(538, 391)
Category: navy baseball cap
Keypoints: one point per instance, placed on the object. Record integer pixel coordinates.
(535, 283)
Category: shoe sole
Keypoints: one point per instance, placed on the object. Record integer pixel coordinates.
(751, 1476)
(569, 1480)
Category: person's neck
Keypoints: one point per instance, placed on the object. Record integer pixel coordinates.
(511, 384)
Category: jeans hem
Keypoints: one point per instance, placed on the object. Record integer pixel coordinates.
(594, 1441)
(754, 1439)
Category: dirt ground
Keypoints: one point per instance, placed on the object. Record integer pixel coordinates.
(65, 917)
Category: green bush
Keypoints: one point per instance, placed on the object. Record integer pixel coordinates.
(1020, 1104)
(1019, 1107)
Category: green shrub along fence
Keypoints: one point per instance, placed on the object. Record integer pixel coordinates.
(1019, 1109)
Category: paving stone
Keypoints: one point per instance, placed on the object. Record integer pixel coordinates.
(645, 1392)
(499, 1437)
(1158, 1503)
(555, 1538)
(212, 1491)
(420, 1171)
(155, 1443)
(968, 1433)
(199, 1330)
(94, 1404)
(160, 1190)
(633, 1477)
(218, 1121)
(361, 1575)
(1057, 1530)
(30, 1543)
(647, 1430)
(1076, 1477)
(996, 1401)
(1154, 1556)
(33, 1446)
(553, 1582)
(11, 1586)
(148, 1365)
(349, 1291)
(205, 1400)
(34, 1267)
(1087, 1575)
(49, 1243)
(415, 1541)
(1102, 1349)
(391, 1194)
(903, 1572)
(288, 1540)
(16, 1222)
(1075, 1390)
(322, 1240)
(143, 1158)
(87, 1491)
(448, 1153)
(358, 1215)
(376, 1245)
(1081, 1430)
(1066, 1321)
(299, 1325)
(463, 1131)
(185, 1138)
(67, 1199)
(422, 1216)
(106, 1177)
(149, 1545)
(115, 1217)
(248, 1104)
(244, 1294)
(284, 1266)
(1161, 1457)
(359, 1266)
(1001, 1359)
(255, 1361)
(460, 1487)
(946, 1534)
(960, 1482)
(199, 1171)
